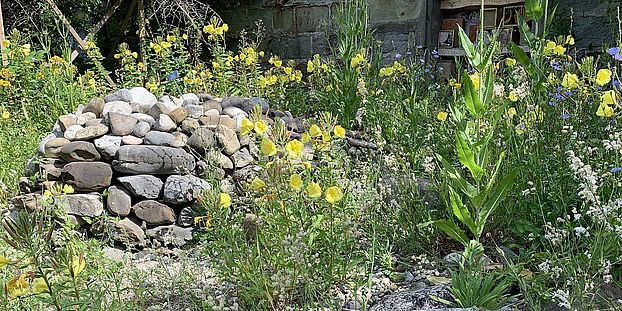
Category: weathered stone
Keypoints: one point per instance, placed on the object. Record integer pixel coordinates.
(242, 158)
(70, 132)
(158, 138)
(142, 97)
(51, 168)
(85, 205)
(91, 132)
(79, 151)
(131, 140)
(227, 121)
(164, 124)
(87, 176)
(224, 161)
(194, 111)
(30, 202)
(202, 139)
(162, 108)
(54, 145)
(144, 118)
(85, 117)
(120, 95)
(210, 121)
(246, 104)
(186, 216)
(212, 104)
(233, 101)
(171, 235)
(65, 121)
(121, 124)
(144, 186)
(141, 129)
(228, 139)
(190, 99)
(96, 106)
(124, 231)
(189, 125)
(180, 140)
(95, 122)
(178, 115)
(211, 112)
(180, 189)
(234, 111)
(32, 166)
(108, 145)
(156, 160)
(421, 299)
(154, 213)
(204, 97)
(118, 201)
(118, 107)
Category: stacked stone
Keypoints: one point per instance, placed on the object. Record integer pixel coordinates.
(146, 155)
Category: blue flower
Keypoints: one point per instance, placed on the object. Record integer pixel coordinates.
(419, 46)
(172, 76)
(613, 51)
(616, 170)
(565, 116)
(556, 66)
(398, 56)
(616, 83)
(435, 54)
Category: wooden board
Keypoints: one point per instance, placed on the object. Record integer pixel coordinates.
(458, 4)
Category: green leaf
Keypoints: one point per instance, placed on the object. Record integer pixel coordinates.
(492, 179)
(455, 176)
(452, 230)
(523, 59)
(533, 9)
(460, 211)
(498, 195)
(466, 157)
(471, 96)
(467, 45)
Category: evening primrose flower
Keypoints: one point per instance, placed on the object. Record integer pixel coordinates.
(314, 190)
(247, 126)
(68, 189)
(224, 199)
(77, 265)
(315, 131)
(605, 110)
(25, 49)
(510, 62)
(310, 66)
(570, 81)
(294, 148)
(6, 115)
(306, 138)
(261, 127)
(549, 49)
(39, 286)
(171, 38)
(333, 195)
(339, 131)
(442, 116)
(475, 79)
(609, 98)
(3, 261)
(257, 184)
(513, 96)
(511, 112)
(357, 59)
(603, 77)
(295, 181)
(559, 50)
(268, 147)
(569, 40)
(386, 71)
(17, 286)
(6, 43)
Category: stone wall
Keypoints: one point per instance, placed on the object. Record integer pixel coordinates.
(593, 22)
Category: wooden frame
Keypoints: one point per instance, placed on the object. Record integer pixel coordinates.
(446, 39)
(511, 14)
(491, 18)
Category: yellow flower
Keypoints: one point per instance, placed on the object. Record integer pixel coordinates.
(188, 80)
(268, 147)
(275, 61)
(339, 131)
(386, 71)
(511, 112)
(604, 110)
(475, 79)
(313, 190)
(294, 148)
(68, 189)
(315, 131)
(513, 96)
(288, 70)
(603, 77)
(208, 29)
(6, 43)
(559, 50)
(257, 184)
(77, 265)
(247, 126)
(310, 66)
(609, 98)
(156, 48)
(261, 53)
(261, 127)
(510, 62)
(442, 116)
(224, 199)
(326, 136)
(26, 49)
(333, 195)
(569, 40)
(357, 59)
(306, 138)
(17, 286)
(6, 115)
(171, 38)
(184, 36)
(570, 81)
(295, 181)
(3, 261)
(166, 45)
(550, 48)
(135, 55)
(39, 286)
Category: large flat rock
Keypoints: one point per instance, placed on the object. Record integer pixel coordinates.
(153, 160)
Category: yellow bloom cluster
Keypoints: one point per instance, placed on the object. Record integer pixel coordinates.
(160, 48)
(607, 105)
(570, 81)
(603, 77)
(215, 31)
(397, 67)
(358, 59)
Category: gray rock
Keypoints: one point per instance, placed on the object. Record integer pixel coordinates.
(96, 106)
(118, 201)
(144, 186)
(233, 101)
(91, 132)
(131, 140)
(212, 104)
(30, 202)
(155, 160)
(180, 141)
(250, 104)
(228, 139)
(194, 111)
(85, 205)
(42, 144)
(202, 139)
(242, 158)
(53, 146)
(162, 108)
(234, 111)
(84, 118)
(171, 235)
(180, 189)
(95, 122)
(118, 107)
(70, 132)
(159, 138)
(186, 216)
(144, 118)
(120, 95)
(124, 231)
(415, 300)
(190, 99)
(121, 124)
(108, 145)
(66, 121)
(79, 151)
(190, 125)
(154, 213)
(141, 129)
(164, 124)
(87, 176)
(142, 97)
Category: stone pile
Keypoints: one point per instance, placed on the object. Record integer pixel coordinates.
(140, 159)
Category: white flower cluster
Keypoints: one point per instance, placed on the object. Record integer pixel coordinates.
(562, 298)
(588, 185)
(614, 143)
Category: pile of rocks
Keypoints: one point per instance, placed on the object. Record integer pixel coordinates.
(141, 159)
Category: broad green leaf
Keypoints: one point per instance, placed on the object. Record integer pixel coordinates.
(471, 96)
(492, 179)
(533, 9)
(452, 230)
(523, 59)
(467, 158)
(467, 45)
(488, 91)
(525, 32)
(497, 196)
(460, 211)
(455, 176)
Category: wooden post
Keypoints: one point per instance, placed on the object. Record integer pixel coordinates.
(98, 26)
(4, 61)
(75, 34)
(142, 31)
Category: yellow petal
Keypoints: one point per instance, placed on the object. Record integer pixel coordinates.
(257, 184)
(39, 286)
(268, 147)
(314, 190)
(333, 195)
(339, 131)
(224, 199)
(295, 181)
(315, 131)
(294, 148)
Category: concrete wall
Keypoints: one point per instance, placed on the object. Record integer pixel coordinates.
(593, 21)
